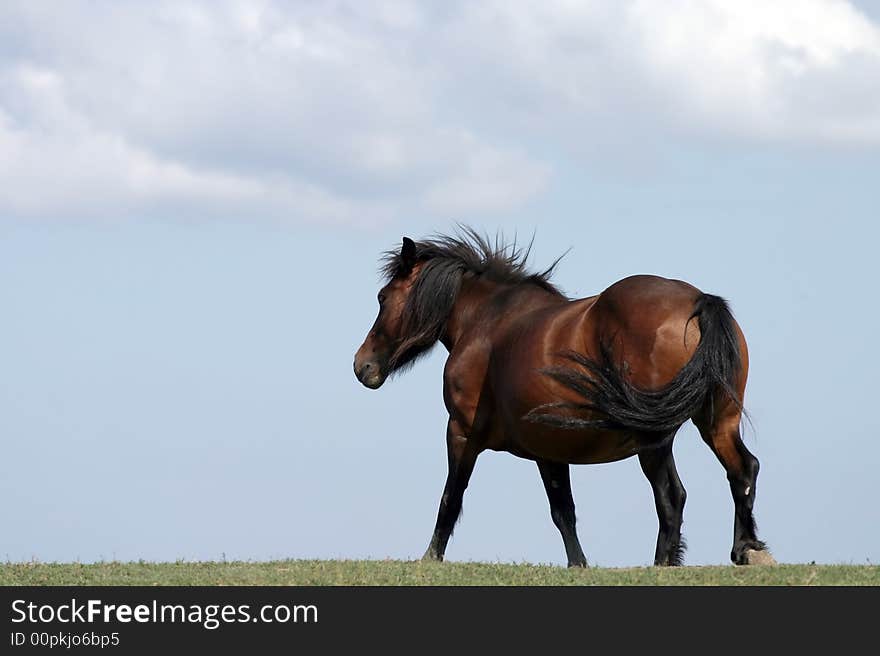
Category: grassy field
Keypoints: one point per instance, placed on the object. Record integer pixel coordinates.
(392, 572)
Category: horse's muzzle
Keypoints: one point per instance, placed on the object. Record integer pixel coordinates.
(370, 374)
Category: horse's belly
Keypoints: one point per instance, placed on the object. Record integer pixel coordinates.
(577, 447)
(515, 432)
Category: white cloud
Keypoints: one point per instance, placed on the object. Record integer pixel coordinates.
(487, 180)
(775, 70)
(60, 164)
(255, 109)
(799, 70)
(360, 113)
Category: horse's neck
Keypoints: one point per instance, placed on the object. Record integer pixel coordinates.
(471, 304)
(472, 296)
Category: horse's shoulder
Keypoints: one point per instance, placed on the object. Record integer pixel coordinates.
(467, 360)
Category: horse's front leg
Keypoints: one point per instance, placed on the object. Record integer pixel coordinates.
(669, 497)
(557, 483)
(462, 455)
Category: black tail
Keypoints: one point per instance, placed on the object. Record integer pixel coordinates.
(710, 374)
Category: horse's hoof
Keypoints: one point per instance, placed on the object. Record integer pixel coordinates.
(756, 557)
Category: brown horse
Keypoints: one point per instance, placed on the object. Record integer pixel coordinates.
(562, 381)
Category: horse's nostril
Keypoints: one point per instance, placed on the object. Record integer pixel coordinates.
(370, 374)
(365, 370)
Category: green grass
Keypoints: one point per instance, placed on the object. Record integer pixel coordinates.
(393, 572)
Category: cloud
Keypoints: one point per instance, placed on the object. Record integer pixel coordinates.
(788, 70)
(356, 114)
(249, 109)
(804, 70)
(59, 163)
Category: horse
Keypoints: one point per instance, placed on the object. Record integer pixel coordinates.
(567, 381)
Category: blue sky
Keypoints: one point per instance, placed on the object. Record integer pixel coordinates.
(195, 195)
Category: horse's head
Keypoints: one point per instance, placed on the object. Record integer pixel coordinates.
(380, 353)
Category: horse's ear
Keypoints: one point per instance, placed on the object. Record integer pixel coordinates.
(408, 253)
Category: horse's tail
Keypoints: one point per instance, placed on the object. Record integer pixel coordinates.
(710, 374)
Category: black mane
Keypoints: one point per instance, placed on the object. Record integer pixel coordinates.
(446, 261)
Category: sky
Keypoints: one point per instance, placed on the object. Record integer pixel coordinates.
(194, 197)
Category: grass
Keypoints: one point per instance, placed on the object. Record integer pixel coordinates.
(400, 573)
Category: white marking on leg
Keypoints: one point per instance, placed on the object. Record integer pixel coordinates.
(748, 489)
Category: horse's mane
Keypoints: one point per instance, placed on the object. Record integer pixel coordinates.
(446, 260)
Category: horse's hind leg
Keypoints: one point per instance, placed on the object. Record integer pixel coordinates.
(669, 497)
(557, 483)
(722, 434)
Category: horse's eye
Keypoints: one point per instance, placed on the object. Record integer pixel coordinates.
(381, 299)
